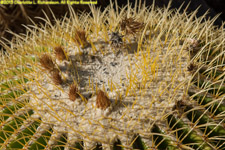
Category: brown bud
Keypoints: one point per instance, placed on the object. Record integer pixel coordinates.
(73, 92)
(59, 53)
(56, 78)
(80, 37)
(191, 67)
(130, 26)
(182, 105)
(46, 62)
(102, 101)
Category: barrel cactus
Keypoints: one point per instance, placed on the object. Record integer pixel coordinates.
(124, 78)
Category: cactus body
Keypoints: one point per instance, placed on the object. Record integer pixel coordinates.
(163, 88)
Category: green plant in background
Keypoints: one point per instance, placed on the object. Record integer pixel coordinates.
(130, 78)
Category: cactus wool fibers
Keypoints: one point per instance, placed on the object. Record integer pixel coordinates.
(97, 79)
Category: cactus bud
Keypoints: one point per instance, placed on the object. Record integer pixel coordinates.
(46, 62)
(73, 92)
(56, 77)
(59, 53)
(102, 101)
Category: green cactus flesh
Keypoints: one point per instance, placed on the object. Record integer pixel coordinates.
(164, 83)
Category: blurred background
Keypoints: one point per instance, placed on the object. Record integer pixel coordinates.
(12, 17)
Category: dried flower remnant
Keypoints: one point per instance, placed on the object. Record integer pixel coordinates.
(179, 105)
(191, 67)
(59, 53)
(182, 106)
(73, 92)
(46, 62)
(116, 40)
(130, 26)
(80, 38)
(56, 77)
(102, 101)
